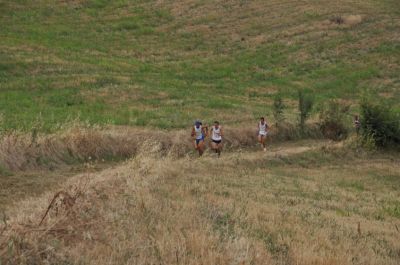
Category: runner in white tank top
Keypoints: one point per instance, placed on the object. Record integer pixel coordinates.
(262, 133)
(199, 133)
(262, 129)
(216, 138)
(216, 133)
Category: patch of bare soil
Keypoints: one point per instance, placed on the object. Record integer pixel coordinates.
(348, 20)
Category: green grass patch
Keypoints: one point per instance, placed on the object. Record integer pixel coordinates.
(81, 60)
(351, 184)
(5, 172)
(393, 209)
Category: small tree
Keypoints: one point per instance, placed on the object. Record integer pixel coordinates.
(305, 106)
(333, 120)
(278, 108)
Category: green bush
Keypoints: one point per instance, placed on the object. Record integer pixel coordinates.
(277, 109)
(379, 121)
(333, 120)
(306, 103)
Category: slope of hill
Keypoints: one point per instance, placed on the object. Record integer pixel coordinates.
(164, 63)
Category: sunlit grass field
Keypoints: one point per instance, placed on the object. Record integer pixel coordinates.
(165, 63)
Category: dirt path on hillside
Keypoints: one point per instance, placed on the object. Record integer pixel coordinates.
(278, 149)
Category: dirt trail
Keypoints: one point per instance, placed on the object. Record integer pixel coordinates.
(276, 150)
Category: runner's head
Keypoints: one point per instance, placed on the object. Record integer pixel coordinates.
(216, 124)
(262, 120)
(197, 123)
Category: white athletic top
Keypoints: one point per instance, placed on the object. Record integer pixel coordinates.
(262, 128)
(198, 132)
(216, 134)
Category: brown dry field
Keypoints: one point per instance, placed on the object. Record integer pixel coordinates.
(302, 202)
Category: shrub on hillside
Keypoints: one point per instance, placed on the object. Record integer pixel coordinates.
(289, 131)
(333, 120)
(277, 109)
(306, 103)
(380, 122)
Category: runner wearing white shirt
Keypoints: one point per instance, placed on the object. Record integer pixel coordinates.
(262, 133)
(216, 138)
(199, 133)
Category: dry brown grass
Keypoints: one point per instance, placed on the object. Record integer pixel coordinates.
(30, 164)
(22, 151)
(285, 207)
(240, 19)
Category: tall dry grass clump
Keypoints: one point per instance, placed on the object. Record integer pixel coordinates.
(19, 151)
(22, 151)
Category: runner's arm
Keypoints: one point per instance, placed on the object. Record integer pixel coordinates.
(205, 130)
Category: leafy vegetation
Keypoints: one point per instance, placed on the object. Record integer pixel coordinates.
(278, 109)
(306, 102)
(334, 120)
(380, 122)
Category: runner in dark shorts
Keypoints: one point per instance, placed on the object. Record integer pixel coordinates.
(216, 138)
(199, 133)
(262, 133)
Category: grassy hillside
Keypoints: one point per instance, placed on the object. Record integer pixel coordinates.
(133, 195)
(301, 203)
(165, 63)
